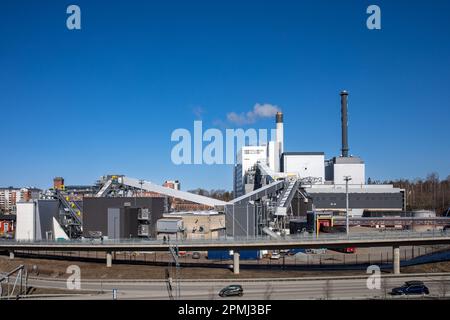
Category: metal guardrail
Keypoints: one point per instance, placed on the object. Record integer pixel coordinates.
(384, 235)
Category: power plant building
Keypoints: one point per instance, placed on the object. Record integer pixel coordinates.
(271, 183)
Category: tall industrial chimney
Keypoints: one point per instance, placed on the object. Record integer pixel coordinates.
(280, 132)
(344, 123)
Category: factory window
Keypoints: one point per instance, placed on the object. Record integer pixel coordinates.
(253, 151)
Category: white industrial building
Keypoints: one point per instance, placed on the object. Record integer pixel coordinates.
(305, 164)
(324, 179)
(38, 220)
(246, 158)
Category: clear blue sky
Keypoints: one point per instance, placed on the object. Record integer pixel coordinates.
(105, 99)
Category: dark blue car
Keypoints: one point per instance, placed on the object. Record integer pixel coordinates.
(411, 287)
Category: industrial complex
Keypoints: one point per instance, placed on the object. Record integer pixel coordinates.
(276, 193)
(283, 201)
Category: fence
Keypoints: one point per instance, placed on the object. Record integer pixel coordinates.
(329, 259)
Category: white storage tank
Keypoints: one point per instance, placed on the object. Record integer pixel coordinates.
(424, 214)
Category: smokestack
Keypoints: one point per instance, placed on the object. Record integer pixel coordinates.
(280, 131)
(344, 123)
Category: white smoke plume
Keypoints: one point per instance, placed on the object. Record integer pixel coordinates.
(259, 111)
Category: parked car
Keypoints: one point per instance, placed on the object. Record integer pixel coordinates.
(293, 252)
(411, 287)
(316, 251)
(275, 256)
(196, 255)
(346, 250)
(232, 290)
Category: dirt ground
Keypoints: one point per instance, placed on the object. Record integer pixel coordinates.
(428, 268)
(57, 269)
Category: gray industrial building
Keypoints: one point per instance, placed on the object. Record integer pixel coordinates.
(121, 217)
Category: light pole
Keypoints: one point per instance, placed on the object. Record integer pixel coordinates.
(347, 228)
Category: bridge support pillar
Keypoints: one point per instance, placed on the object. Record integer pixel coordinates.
(109, 259)
(236, 262)
(396, 259)
(11, 254)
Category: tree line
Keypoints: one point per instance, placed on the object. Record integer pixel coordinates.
(430, 193)
(218, 194)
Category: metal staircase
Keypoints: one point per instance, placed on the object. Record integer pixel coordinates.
(70, 216)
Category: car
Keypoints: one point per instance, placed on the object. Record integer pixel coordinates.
(196, 255)
(232, 290)
(275, 256)
(346, 250)
(411, 287)
(316, 251)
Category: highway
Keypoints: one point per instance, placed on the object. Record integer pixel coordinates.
(259, 289)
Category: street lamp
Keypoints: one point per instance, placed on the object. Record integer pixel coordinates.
(347, 179)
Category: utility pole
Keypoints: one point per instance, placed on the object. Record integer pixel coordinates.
(347, 228)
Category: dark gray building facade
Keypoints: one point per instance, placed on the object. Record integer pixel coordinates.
(118, 218)
(366, 201)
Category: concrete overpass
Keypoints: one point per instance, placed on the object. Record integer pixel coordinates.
(383, 239)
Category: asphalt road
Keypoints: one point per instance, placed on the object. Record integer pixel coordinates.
(336, 288)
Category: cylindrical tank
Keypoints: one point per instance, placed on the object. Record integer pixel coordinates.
(424, 214)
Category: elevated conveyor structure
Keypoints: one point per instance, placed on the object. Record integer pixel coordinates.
(104, 189)
(266, 171)
(152, 187)
(286, 197)
(269, 189)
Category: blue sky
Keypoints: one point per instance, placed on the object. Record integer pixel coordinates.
(106, 98)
